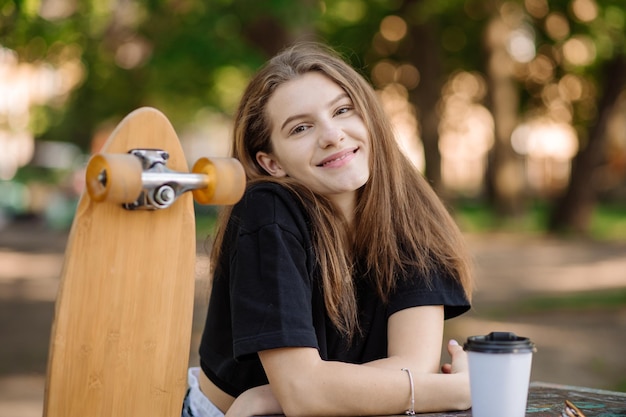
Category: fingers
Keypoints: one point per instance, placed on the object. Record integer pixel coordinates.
(459, 358)
(453, 347)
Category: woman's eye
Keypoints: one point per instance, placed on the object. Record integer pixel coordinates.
(298, 129)
(343, 110)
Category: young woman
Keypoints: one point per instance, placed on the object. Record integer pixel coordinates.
(334, 274)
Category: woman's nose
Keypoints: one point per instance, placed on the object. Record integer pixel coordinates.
(330, 135)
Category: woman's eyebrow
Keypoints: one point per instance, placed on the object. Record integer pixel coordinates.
(339, 97)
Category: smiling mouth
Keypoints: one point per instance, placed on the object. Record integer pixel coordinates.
(339, 158)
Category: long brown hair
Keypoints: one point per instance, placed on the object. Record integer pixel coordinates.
(399, 221)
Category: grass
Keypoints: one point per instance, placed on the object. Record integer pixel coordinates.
(608, 221)
(478, 217)
(602, 300)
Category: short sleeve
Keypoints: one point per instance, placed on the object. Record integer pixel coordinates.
(270, 286)
(438, 289)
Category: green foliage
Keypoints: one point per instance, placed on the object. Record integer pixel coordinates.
(606, 300)
(177, 56)
(205, 222)
(608, 221)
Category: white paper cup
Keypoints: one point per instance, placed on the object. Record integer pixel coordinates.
(499, 368)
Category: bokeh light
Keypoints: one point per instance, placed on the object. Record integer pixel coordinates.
(394, 98)
(24, 86)
(393, 28)
(537, 8)
(548, 147)
(557, 26)
(521, 44)
(585, 10)
(466, 133)
(387, 72)
(133, 53)
(579, 50)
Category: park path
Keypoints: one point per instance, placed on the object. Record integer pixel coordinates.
(584, 348)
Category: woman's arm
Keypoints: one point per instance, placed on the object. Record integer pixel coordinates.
(414, 340)
(415, 336)
(304, 384)
(257, 401)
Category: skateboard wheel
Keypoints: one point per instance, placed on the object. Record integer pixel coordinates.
(114, 177)
(226, 181)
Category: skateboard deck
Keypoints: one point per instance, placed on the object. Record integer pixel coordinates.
(123, 317)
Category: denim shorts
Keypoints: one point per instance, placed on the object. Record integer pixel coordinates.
(196, 404)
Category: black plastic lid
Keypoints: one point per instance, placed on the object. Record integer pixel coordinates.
(499, 342)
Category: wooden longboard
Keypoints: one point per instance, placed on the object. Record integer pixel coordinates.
(122, 328)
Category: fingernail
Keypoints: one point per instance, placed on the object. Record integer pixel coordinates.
(454, 342)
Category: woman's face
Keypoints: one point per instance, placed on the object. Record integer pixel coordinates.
(318, 138)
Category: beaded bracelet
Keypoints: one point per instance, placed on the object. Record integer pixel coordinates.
(411, 410)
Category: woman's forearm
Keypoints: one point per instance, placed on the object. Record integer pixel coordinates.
(441, 392)
(433, 391)
(336, 388)
(257, 401)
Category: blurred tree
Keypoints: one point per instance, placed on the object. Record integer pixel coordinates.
(185, 55)
(424, 50)
(504, 176)
(598, 29)
(427, 38)
(527, 50)
(179, 56)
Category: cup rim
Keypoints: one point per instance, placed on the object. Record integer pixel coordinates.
(499, 342)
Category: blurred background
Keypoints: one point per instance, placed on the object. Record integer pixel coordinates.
(514, 110)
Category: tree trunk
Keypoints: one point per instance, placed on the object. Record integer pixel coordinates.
(504, 177)
(573, 211)
(424, 52)
(426, 96)
(268, 34)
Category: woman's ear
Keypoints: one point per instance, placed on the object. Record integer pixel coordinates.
(270, 164)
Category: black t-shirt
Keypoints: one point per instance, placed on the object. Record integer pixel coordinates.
(266, 295)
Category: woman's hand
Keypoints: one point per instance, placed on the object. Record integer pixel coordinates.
(459, 359)
(255, 401)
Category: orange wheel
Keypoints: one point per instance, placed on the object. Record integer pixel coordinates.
(226, 181)
(114, 177)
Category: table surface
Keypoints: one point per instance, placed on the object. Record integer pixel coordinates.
(548, 400)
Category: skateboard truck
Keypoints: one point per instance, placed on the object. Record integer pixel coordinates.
(161, 185)
(141, 180)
